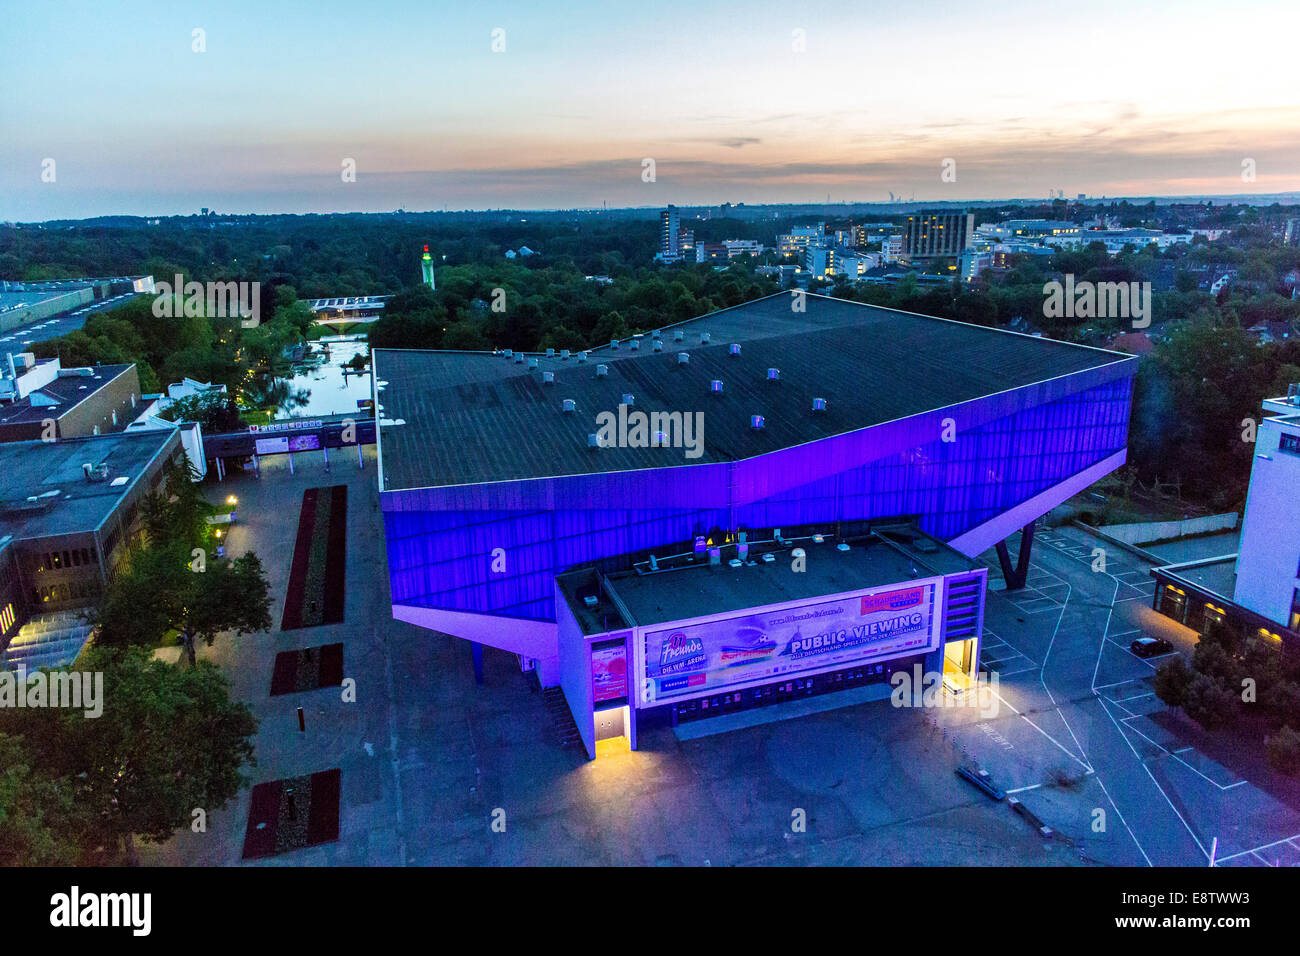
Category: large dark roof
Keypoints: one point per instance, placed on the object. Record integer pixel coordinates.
(51, 472)
(467, 418)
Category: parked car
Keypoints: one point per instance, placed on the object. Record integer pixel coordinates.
(1150, 646)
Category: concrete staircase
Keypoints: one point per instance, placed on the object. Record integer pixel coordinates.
(562, 725)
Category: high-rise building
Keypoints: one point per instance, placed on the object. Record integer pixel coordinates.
(426, 268)
(930, 235)
(670, 235)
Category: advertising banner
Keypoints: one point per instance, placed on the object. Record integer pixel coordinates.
(608, 671)
(686, 660)
(271, 446)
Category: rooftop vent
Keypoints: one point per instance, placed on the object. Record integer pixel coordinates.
(613, 343)
(532, 363)
(548, 378)
(569, 405)
(683, 358)
(550, 353)
(582, 356)
(519, 358)
(768, 557)
(756, 421)
(842, 546)
(819, 404)
(659, 345)
(593, 440)
(818, 538)
(736, 563)
(602, 371)
(564, 354)
(715, 386)
(508, 352)
(634, 345)
(734, 348)
(629, 398)
(591, 600)
(704, 338)
(774, 375)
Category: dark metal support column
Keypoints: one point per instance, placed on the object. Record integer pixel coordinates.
(1015, 577)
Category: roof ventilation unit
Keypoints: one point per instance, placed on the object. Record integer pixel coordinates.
(679, 335)
(613, 343)
(768, 557)
(564, 354)
(508, 353)
(659, 345)
(634, 345)
(548, 378)
(590, 600)
(756, 421)
(629, 399)
(715, 386)
(532, 363)
(736, 563)
(602, 371)
(842, 546)
(519, 358)
(774, 375)
(704, 338)
(550, 353)
(582, 356)
(734, 348)
(569, 405)
(683, 358)
(593, 440)
(819, 404)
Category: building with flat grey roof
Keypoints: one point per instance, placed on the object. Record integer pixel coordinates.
(68, 511)
(69, 402)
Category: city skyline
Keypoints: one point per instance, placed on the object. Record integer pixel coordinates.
(566, 112)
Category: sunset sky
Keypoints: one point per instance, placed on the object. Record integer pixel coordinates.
(1150, 98)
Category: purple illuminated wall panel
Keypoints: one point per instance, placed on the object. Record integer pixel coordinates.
(441, 541)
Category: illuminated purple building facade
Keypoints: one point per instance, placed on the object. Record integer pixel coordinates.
(816, 414)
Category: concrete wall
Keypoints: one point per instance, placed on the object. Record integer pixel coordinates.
(1144, 532)
(45, 308)
(575, 672)
(1268, 562)
(119, 397)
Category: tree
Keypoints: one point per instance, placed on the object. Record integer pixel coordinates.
(216, 412)
(1283, 751)
(169, 740)
(39, 820)
(1172, 680)
(173, 583)
(1208, 702)
(168, 587)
